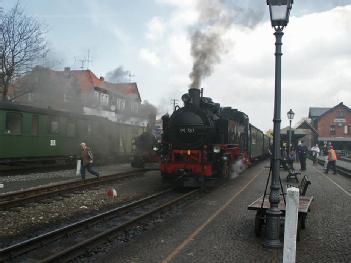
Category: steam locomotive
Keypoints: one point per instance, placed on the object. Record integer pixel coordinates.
(146, 151)
(202, 140)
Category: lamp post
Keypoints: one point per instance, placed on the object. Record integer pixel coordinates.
(279, 14)
(290, 115)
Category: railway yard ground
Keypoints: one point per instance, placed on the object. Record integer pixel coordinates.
(20, 181)
(219, 228)
(212, 227)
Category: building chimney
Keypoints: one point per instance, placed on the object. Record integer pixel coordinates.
(102, 78)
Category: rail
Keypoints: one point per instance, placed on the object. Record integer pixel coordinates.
(113, 221)
(18, 198)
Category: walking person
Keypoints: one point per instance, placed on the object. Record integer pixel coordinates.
(302, 154)
(87, 161)
(331, 160)
(315, 153)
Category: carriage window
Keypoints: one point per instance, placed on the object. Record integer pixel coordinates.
(13, 123)
(54, 126)
(71, 129)
(35, 125)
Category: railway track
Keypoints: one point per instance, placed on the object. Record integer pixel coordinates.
(19, 198)
(73, 240)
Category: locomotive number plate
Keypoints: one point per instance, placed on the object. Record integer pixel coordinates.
(186, 130)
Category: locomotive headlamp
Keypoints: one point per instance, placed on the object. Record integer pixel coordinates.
(216, 149)
(155, 148)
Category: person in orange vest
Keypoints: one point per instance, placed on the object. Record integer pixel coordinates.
(331, 160)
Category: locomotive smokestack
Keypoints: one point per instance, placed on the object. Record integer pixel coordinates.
(195, 96)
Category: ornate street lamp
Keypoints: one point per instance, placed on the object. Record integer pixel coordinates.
(290, 115)
(279, 12)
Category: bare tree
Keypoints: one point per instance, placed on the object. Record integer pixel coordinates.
(22, 43)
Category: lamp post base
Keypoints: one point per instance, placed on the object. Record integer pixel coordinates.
(272, 244)
(272, 239)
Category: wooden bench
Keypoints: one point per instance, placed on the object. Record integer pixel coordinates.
(262, 205)
(303, 185)
(293, 174)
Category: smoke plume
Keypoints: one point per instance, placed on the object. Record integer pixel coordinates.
(118, 75)
(150, 111)
(215, 18)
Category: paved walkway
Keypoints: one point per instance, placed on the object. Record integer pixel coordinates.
(341, 163)
(219, 228)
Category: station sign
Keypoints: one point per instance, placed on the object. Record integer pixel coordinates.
(338, 120)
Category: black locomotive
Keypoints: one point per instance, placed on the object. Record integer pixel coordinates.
(146, 151)
(203, 140)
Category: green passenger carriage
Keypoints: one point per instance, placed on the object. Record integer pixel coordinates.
(36, 134)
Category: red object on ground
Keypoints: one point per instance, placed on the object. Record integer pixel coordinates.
(112, 193)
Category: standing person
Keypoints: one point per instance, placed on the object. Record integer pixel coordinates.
(302, 154)
(291, 158)
(331, 160)
(325, 154)
(284, 158)
(315, 153)
(87, 161)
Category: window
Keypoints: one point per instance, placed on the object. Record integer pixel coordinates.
(30, 96)
(54, 126)
(332, 129)
(121, 103)
(71, 129)
(134, 107)
(35, 125)
(96, 94)
(339, 114)
(13, 123)
(346, 129)
(104, 99)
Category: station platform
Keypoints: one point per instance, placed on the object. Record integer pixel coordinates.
(219, 228)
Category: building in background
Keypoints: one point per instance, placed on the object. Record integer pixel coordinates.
(83, 92)
(333, 125)
(303, 131)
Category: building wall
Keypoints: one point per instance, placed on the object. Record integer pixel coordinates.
(333, 119)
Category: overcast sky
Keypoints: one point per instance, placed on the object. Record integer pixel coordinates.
(151, 39)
